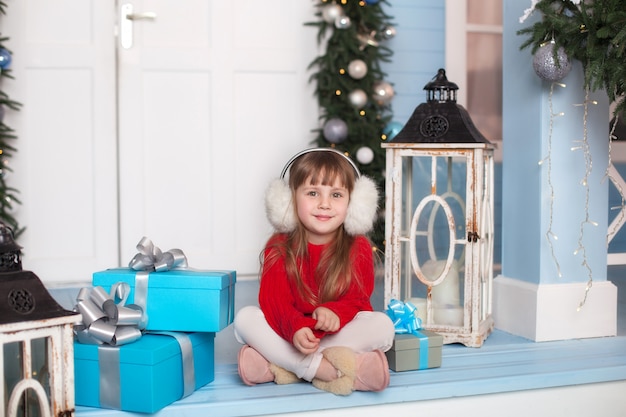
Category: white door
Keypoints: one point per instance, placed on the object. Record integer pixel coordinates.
(65, 164)
(213, 98)
(174, 137)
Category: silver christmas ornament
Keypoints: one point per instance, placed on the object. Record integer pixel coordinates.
(365, 155)
(331, 12)
(357, 69)
(358, 98)
(335, 130)
(389, 32)
(383, 92)
(343, 22)
(547, 67)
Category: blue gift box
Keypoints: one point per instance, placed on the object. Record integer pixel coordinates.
(185, 300)
(146, 376)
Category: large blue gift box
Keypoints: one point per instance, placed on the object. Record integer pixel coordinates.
(185, 300)
(143, 376)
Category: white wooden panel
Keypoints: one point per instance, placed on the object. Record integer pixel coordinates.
(266, 24)
(213, 95)
(269, 136)
(214, 100)
(185, 26)
(175, 162)
(65, 166)
(62, 190)
(57, 22)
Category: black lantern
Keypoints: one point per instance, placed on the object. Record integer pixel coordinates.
(439, 218)
(440, 119)
(36, 355)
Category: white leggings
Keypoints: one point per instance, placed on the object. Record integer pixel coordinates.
(368, 331)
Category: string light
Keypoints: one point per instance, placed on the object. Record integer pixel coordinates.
(618, 222)
(580, 145)
(585, 181)
(550, 235)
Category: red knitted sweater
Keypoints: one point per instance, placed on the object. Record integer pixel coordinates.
(286, 311)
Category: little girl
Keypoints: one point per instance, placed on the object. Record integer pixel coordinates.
(315, 321)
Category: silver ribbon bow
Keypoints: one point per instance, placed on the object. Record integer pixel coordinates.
(105, 318)
(151, 258)
(110, 392)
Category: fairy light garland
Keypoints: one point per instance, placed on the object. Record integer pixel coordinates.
(591, 33)
(619, 219)
(584, 146)
(550, 235)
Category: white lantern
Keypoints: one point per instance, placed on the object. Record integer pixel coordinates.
(37, 354)
(439, 219)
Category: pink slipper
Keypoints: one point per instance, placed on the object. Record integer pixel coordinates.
(372, 371)
(253, 368)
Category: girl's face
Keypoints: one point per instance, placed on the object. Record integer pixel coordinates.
(321, 209)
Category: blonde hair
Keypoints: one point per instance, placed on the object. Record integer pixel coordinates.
(334, 271)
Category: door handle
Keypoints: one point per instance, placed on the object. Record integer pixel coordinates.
(141, 16)
(127, 17)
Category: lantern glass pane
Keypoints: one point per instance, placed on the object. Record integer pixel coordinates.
(16, 370)
(41, 370)
(435, 237)
(13, 367)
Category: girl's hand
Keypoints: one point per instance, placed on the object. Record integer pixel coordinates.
(327, 320)
(305, 341)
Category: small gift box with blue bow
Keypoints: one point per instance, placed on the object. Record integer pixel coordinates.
(171, 295)
(144, 375)
(413, 347)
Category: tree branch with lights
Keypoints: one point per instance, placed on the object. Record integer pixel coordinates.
(354, 98)
(592, 32)
(8, 195)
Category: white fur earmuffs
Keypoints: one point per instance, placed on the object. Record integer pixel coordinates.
(361, 209)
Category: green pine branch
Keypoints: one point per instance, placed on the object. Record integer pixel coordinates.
(365, 125)
(8, 195)
(592, 32)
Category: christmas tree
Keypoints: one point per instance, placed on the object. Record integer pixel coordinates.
(354, 98)
(592, 32)
(7, 194)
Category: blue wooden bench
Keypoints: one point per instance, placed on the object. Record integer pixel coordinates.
(504, 364)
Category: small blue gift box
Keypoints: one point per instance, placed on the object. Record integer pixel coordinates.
(143, 376)
(185, 300)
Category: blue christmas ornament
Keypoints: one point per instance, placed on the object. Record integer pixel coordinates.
(392, 129)
(371, 1)
(5, 58)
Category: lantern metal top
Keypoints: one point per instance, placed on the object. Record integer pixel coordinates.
(440, 119)
(23, 296)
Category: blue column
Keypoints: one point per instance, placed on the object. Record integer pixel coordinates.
(538, 198)
(544, 293)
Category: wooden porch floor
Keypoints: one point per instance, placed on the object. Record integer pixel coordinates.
(505, 363)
